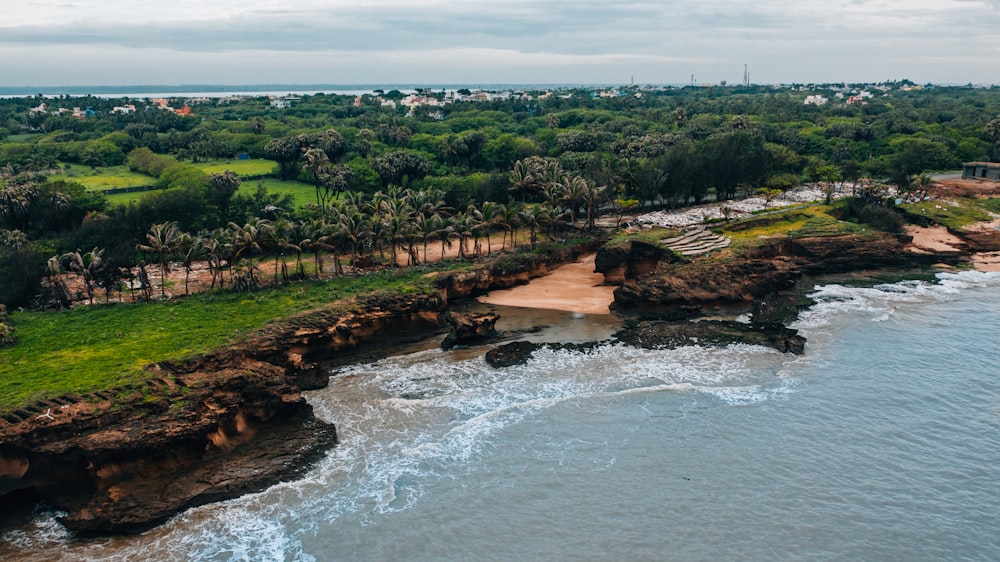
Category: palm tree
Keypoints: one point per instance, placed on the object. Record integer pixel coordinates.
(357, 228)
(492, 215)
(993, 132)
(88, 265)
(593, 196)
(194, 249)
(512, 220)
(247, 239)
(573, 190)
(162, 240)
(218, 249)
(315, 161)
(464, 227)
(530, 216)
(522, 179)
(278, 235)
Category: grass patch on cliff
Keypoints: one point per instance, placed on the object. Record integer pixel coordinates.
(814, 220)
(651, 236)
(955, 214)
(92, 348)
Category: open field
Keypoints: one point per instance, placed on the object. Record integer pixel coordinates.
(104, 178)
(252, 167)
(302, 193)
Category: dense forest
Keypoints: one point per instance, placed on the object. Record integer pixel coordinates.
(365, 176)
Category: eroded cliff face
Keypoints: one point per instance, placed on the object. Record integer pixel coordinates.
(219, 425)
(687, 289)
(127, 468)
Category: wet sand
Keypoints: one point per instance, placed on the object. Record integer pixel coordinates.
(573, 287)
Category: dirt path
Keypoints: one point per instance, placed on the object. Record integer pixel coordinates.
(573, 287)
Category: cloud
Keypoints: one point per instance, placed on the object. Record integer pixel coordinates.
(668, 38)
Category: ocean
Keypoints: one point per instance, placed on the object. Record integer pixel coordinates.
(881, 442)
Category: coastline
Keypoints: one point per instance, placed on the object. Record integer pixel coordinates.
(266, 374)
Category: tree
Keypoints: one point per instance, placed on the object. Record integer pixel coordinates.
(993, 133)
(162, 240)
(88, 266)
(193, 249)
(400, 168)
(315, 161)
(257, 125)
(224, 186)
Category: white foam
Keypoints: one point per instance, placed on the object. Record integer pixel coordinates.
(881, 302)
(407, 422)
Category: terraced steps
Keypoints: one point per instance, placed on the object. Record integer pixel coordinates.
(696, 242)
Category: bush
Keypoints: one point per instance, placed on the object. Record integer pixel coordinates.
(876, 216)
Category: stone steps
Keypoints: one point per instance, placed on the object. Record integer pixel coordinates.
(696, 243)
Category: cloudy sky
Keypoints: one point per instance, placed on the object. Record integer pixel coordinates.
(132, 42)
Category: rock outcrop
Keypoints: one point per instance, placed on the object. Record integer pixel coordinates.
(685, 290)
(469, 328)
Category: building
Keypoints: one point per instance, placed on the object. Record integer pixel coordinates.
(815, 100)
(981, 170)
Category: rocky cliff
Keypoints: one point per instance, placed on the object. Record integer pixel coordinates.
(222, 424)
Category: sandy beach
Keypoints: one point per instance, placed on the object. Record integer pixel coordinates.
(573, 287)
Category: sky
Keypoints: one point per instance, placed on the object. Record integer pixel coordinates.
(428, 42)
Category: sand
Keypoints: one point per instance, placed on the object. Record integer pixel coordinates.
(938, 239)
(573, 287)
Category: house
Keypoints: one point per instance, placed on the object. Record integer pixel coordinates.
(815, 100)
(40, 109)
(981, 170)
(123, 109)
(283, 102)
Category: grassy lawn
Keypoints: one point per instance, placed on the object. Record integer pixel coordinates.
(302, 193)
(91, 348)
(104, 178)
(253, 167)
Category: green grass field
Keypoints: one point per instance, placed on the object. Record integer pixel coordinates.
(91, 348)
(104, 178)
(302, 193)
(253, 167)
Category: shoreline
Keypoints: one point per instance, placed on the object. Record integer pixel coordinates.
(265, 375)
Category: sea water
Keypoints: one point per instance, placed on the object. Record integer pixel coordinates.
(881, 442)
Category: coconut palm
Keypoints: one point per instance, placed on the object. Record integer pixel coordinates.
(88, 266)
(193, 249)
(357, 229)
(573, 192)
(593, 196)
(464, 227)
(522, 179)
(529, 216)
(315, 161)
(492, 216)
(278, 236)
(162, 240)
(247, 240)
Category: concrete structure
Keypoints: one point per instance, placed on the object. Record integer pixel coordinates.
(981, 170)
